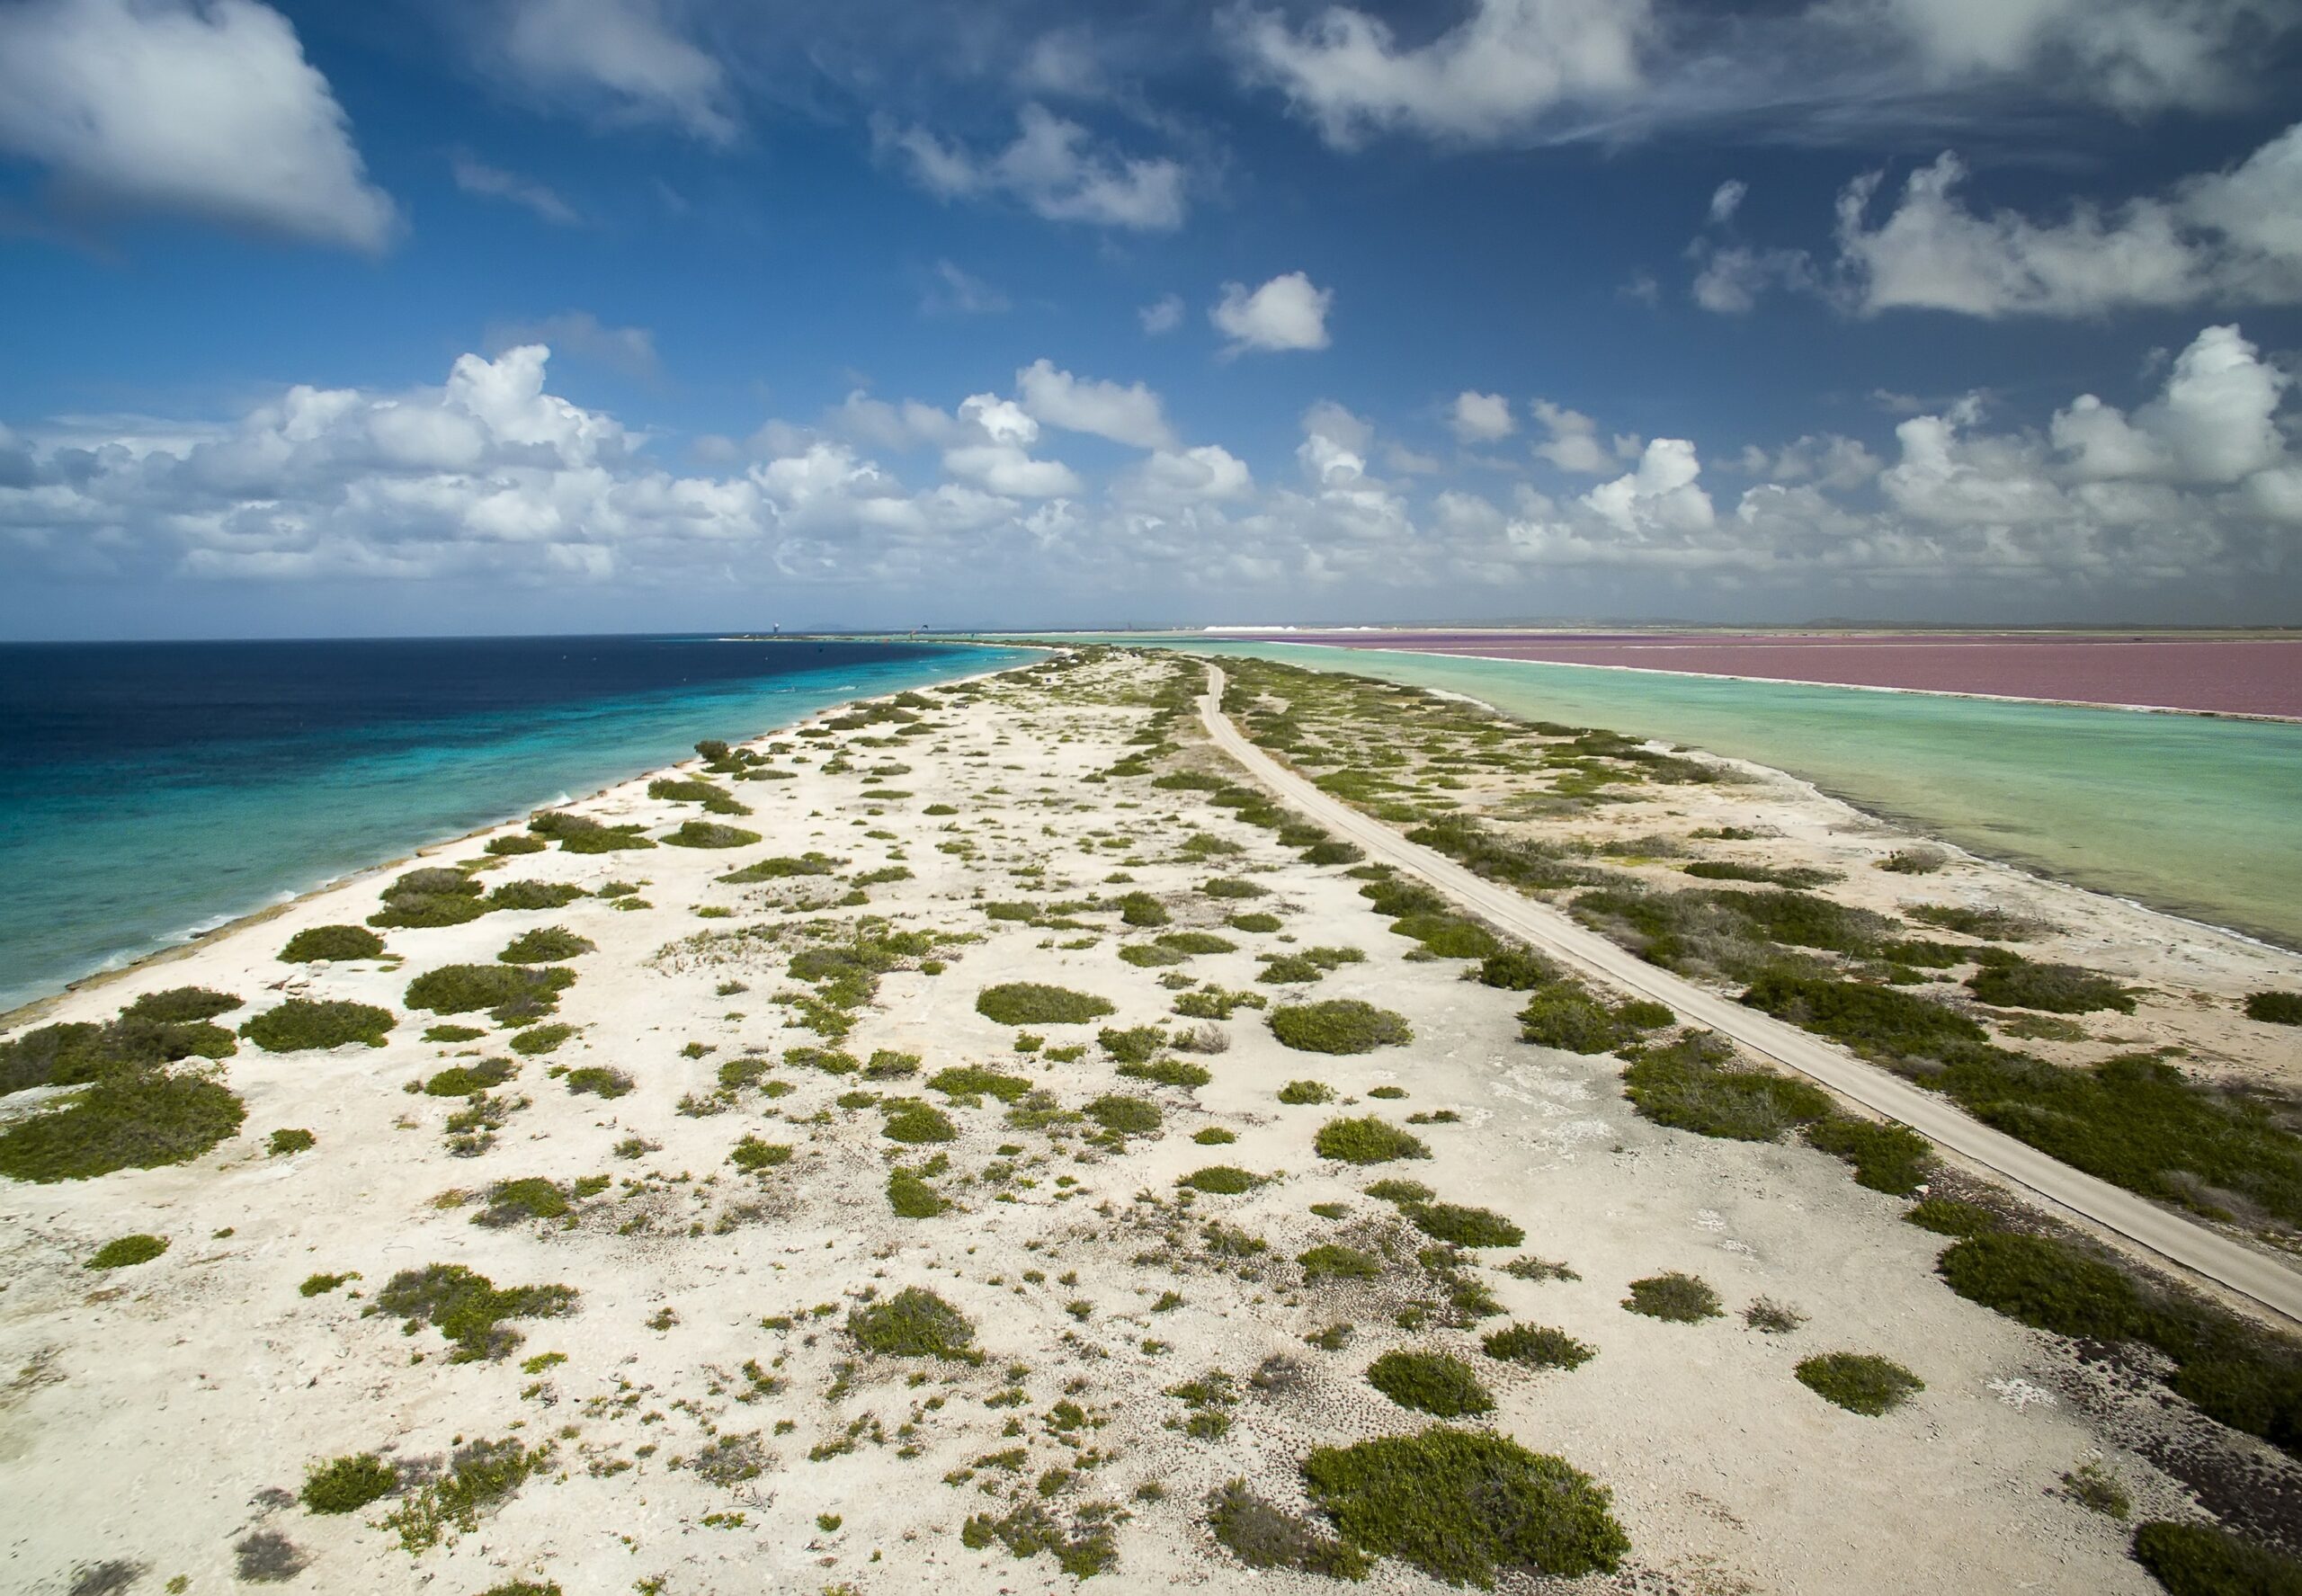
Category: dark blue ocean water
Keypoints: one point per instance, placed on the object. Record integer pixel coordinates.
(149, 790)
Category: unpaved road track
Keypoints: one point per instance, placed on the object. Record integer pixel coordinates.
(2228, 1263)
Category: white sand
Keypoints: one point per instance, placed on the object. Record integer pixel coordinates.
(158, 1400)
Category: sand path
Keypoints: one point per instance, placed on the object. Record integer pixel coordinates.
(2052, 1185)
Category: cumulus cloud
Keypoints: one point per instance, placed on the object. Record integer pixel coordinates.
(1572, 442)
(1481, 418)
(1162, 315)
(1495, 74)
(1725, 200)
(1130, 415)
(1051, 169)
(203, 108)
(1733, 276)
(623, 59)
(1285, 313)
(477, 177)
(2231, 238)
(1207, 471)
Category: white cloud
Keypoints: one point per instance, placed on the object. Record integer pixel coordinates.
(1132, 415)
(629, 349)
(2229, 237)
(624, 57)
(206, 109)
(1285, 313)
(477, 177)
(1734, 277)
(1162, 315)
(1573, 442)
(1662, 494)
(1051, 171)
(2217, 422)
(1495, 74)
(2137, 56)
(1004, 468)
(1482, 418)
(1831, 460)
(955, 292)
(1207, 471)
(1725, 200)
(900, 427)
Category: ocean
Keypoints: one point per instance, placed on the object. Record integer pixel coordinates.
(151, 790)
(2198, 816)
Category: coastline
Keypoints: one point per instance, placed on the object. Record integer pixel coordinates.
(37, 1008)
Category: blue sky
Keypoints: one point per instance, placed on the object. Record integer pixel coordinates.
(1919, 309)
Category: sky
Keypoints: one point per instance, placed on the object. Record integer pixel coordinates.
(566, 315)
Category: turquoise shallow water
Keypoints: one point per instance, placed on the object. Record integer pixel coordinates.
(2200, 816)
(137, 827)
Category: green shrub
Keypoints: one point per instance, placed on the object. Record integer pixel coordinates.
(2201, 1560)
(531, 1197)
(321, 1285)
(467, 1080)
(332, 941)
(533, 895)
(453, 1033)
(2056, 988)
(1399, 1191)
(1462, 1226)
(347, 1484)
(1450, 936)
(751, 1155)
(1257, 923)
(284, 1142)
(1263, 1536)
(598, 1080)
(468, 1308)
(2046, 1284)
(915, 1323)
(1125, 1115)
(1141, 908)
(1333, 852)
(1889, 1158)
(580, 833)
(1947, 1216)
(1231, 886)
(1990, 925)
(128, 1122)
(509, 991)
(122, 1252)
(2275, 1008)
(1296, 1094)
(1339, 1025)
(1537, 1346)
(1168, 1071)
(1220, 1179)
(706, 833)
(1196, 942)
(1332, 1260)
(1028, 1003)
(781, 867)
(300, 1023)
(971, 1083)
(481, 1475)
(539, 1040)
(1859, 1382)
(1517, 969)
(715, 800)
(179, 1005)
(1696, 1084)
(1875, 1020)
(1794, 876)
(1679, 1298)
(546, 944)
(1151, 956)
(916, 1123)
(1134, 1045)
(1464, 1506)
(1433, 1383)
(505, 846)
(1366, 1140)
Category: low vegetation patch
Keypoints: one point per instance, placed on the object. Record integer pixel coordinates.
(332, 942)
(301, 1023)
(1367, 1140)
(915, 1323)
(2056, 988)
(136, 1121)
(2275, 1008)
(464, 1080)
(1331, 1261)
(1697, 1083)
(1125, 1115)
(347, 1484)
(1537, 1346)
(1859, 1382)
(1877, 1021)
(1168, 1071)
(510, 993)
(1296, 1094)
(1464, 1507)
(596, 1080)
(126, 1250)
(1029, 1002)
(2201, 1560)
(1339, 1026)
(1435, 1383)
(1263, 1536)
(1220, 1179)
(1680, 1299)
(468, 1308)
(706, 834)
(546, 944)
(1462, 1226)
